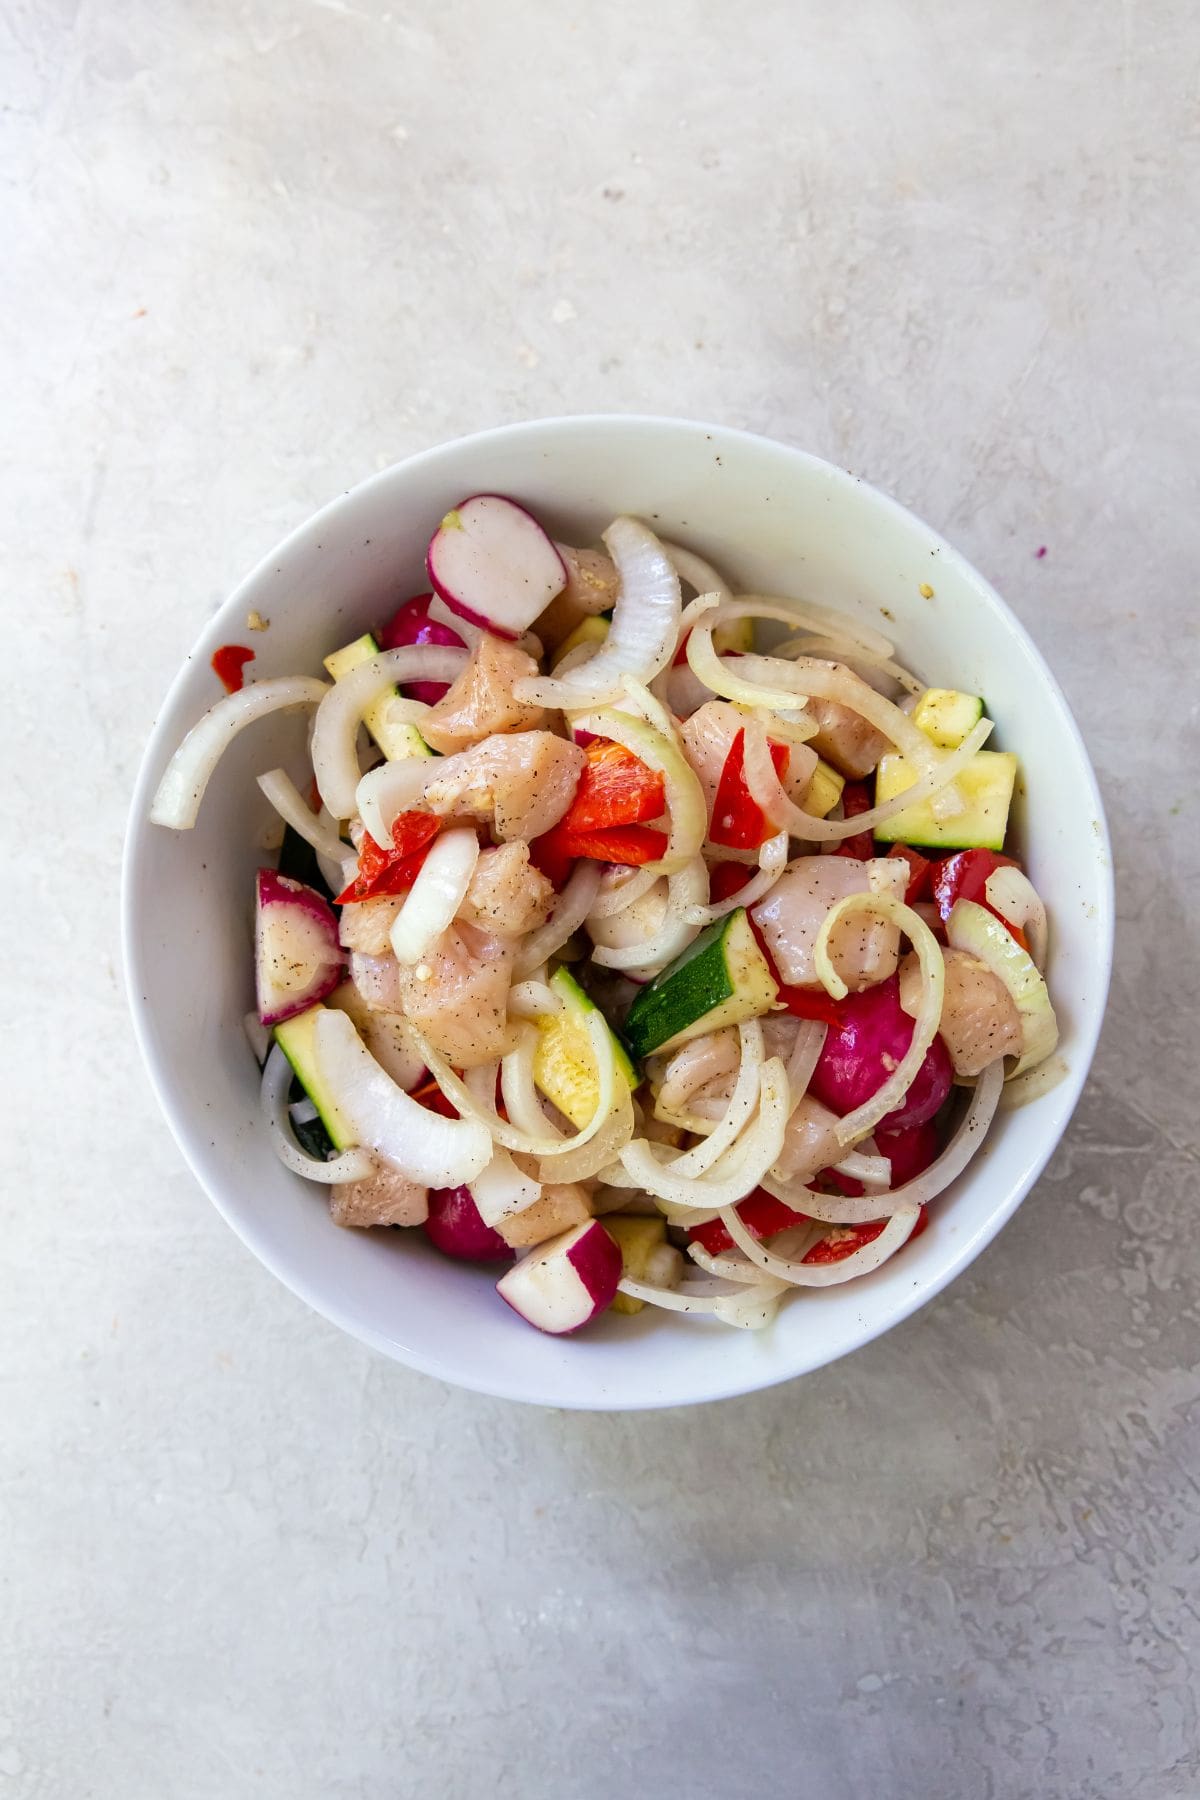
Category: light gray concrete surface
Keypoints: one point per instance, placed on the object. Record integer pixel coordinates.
(252, 252)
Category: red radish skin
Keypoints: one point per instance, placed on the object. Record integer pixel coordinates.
(863, 1048)
(411, 624)
(910, 1150)
(493, 565)
(563, 1284)
(297, 957)
(455, 1228)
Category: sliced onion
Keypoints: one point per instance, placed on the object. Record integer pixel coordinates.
(797, 1273)
(350, 1165)
(862, 1209)
(571, 909)
(642, 637)
(811, 617)
(502, 1190)
(698, 574)
(435, 896)
(751, 1308)
(772, 860)
(700, 1159)
(806, 1051)
(464, 628)
(284, 796)
(855, 657)
(521, 1100)
(686, 889)
(619, 888)
(391, 789)
(1011, 893)
(872, 1171)
(737, 1171)
(334, 741)
(686, 810)
(864, 1118)
(726, 1267)
(532, 1000)
(177, 799)
(430, 1149)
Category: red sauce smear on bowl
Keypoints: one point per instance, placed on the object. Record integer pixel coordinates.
(229, 662)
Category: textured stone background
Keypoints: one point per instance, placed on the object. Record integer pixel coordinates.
(252, 252)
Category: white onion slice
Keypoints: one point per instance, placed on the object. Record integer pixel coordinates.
(571, 909)
(285, 797)
(698, 573)
(391, 789)
(700, 1159)
(862, 1209)
(823, 619)
(641, 639)
(532, 1000)
(502, 1190)
(467, 630)
(806, 1051)
(334, 741)
(1018, 902)
(872, 1171)
(178, 795)
(797, 1273)
(864, 1118)
(258, 1036)
(737, 1171)
(686, 890)
(522, 1102)
(435, 896)
(772, 860)
(430, 1149)
(619, 888)
(350, 1165)
(752, 1308)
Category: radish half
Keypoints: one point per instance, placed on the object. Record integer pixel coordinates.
(297, 957)
(492, 564)
(565, 1283)
(456, 1228)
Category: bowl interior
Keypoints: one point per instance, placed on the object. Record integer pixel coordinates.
(775, 520)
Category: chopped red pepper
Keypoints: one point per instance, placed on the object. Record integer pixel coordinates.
(615, 788)
(853, 1237)
(430, 1096)
(762, 1215)
(392, 871)
(726, 879)
(802, 1003)
(738, 821)
(633, 845)
(856, 798)
(919, 868)
(229, 662)
(965, 877)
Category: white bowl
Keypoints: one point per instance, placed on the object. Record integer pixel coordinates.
(776, 520)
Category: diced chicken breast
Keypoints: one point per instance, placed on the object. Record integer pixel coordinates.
(844, 737)
(560, 1206)
(863, 950)
(715, 1057)
(366, 925)
(708, 737)
(507, 895)
(979, 1016)
(385, 1198)
(458, 994)
(377, 979)
(592, 587)
(810, 1142)
(481, 701)
(520, 784)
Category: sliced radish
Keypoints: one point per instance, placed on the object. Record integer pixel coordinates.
(411, 624)
(564, 1284)
(297, 957)
(493, 565)
(454, 1227)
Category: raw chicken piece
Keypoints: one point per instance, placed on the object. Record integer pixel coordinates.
(715, 1057)
(810, 1143)
(979, 1016)
(366, 925)
(559, 1206)
(457, 995)
(377, 979)
(708, 737)
(863, 950)
(844, 738)
(521, 783)
(385, 1198)
(507, 895)
(481, 701)
(592, 587)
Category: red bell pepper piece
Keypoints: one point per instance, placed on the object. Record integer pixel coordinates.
(632, 845)
(762, 1215)
(856, 798)
(964, 877)
(919, 870)
(738, 821)
(726, 879)
(229, 663)
(853, 1237)
(802, 1003)
(430, 1096)
(615, 788)
(392, 871)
